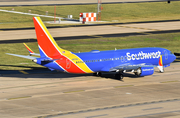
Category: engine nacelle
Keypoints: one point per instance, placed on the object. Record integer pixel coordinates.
(144, 71)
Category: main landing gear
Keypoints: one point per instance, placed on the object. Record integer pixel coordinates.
(119, 75)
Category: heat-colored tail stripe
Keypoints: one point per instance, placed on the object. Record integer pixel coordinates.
(49, 48)
(160, 61)
(45, 40)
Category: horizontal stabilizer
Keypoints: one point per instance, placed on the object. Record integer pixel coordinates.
(34, 54)
(22, 56)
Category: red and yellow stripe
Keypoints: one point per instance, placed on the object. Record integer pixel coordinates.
(28, 48)
(52, 50)
(160, 61)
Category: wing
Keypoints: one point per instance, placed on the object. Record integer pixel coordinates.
(22, 56)
(133, 66)
(129, 67)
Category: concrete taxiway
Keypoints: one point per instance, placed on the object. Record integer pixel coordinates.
(140, 28)
(63, 95)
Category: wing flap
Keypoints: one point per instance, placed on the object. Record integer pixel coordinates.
(129, 66)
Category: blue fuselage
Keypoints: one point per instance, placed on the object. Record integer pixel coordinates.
(104, 60)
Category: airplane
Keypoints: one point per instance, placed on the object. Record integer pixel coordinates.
(140, 61)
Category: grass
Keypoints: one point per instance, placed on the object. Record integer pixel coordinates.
(141, 11)
(129, 12)
(169, 41)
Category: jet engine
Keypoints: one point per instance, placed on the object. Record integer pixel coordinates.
(144, 71)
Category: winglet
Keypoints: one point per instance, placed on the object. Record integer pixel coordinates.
(30, 51)
(160, 64)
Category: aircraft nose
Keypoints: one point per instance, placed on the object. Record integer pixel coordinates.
(173, 57)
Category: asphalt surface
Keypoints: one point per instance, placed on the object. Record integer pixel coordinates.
(44, 93)
(90, 37)
(63, 95)
(147, 110)
(67, 2)
(93, 31)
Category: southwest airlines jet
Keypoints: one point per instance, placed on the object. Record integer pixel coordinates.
(140, 61)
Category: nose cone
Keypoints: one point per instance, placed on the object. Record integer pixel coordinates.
(170, 59)
(173, 57)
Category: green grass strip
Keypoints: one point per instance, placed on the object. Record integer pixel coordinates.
(126, 12)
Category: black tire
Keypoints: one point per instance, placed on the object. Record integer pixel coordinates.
(119, 76)
(99, 74)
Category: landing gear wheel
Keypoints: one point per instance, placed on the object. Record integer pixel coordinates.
(136, 74)
(119, 76)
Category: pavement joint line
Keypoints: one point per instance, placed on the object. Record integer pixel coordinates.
(97, 109)
(99, 89)
(138, 103)
(40, 84)
(144, 116)
(152, 108)
(169, 81)
(106, 108)
(123, 86)
(18, 98)
(110, 107)
(90, 110)
(31, 85)
(74, 91)
(138, 28)
(22, 71)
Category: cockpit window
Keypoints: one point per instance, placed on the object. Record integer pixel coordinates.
(171, 53)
